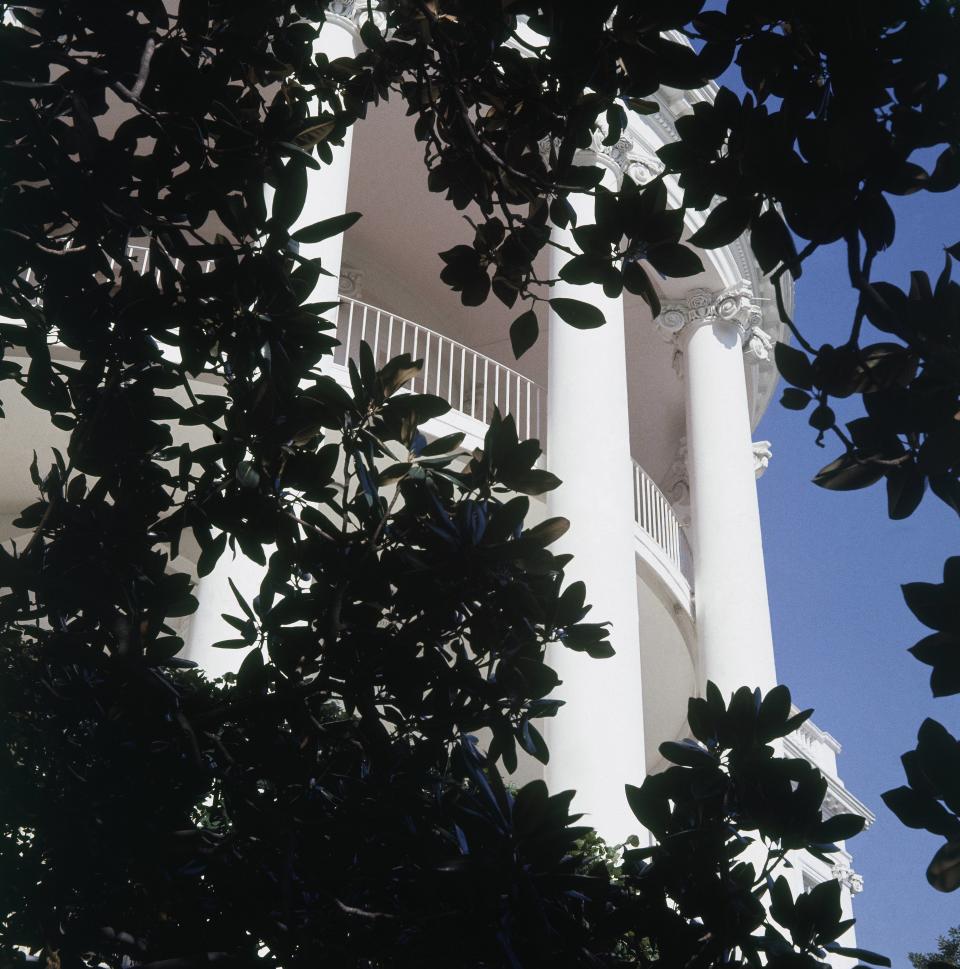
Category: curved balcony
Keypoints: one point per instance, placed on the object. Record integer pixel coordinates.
(474, 384)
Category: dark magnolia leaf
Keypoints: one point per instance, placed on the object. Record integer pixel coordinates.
(916, 810)
(795, 399)
(822, 417)
(396, 373)
(291, 193)
(230, 644)
(548, 531)
(648, 805)
(532, 482)
(443, 445)
(771, 241)
(584, 269)
(524, 332)
(864, 955)
(210, 554)
(943, 872)
(583, 316)
(725, 223)
(794, 365)
(533, 743)
(931, 604)
(847, 473)
(945, 675)
(782, 906)
(774, 713)
(674, 259)
(636, 281)
(935, 648)
(840, 827)
(688, 754)
(905, 487)
(589, 638)
(247, 475)
(327, 228)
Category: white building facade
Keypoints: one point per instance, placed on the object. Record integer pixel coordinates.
(647, 422)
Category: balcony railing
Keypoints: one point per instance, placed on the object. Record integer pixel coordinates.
(472, 383)
(655, 515)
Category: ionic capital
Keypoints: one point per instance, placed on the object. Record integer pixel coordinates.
(733, 305)
(352, 13)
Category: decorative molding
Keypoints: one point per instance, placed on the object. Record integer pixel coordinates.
(677, 485)
(350, 282)
(736, 305)
(357, 11)
(851, 880)
(632, 160)
(762, 453)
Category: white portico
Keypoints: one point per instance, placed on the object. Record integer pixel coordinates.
(648, 423)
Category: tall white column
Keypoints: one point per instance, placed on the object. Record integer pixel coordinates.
(214, 598)
(326, 197)
(596, 741)
(327, 186)
(732, 612)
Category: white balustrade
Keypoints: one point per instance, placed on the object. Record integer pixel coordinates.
(472, 383)
(139, 256)
(655, 515)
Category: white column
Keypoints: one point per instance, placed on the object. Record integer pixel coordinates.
(214, 598)
(730, 586)
(596, 740)
(326, 198)
(327, 186)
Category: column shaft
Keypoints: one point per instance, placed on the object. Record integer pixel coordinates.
(596, 740)
(732, 612)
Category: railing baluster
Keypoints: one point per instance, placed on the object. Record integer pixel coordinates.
(423, 373)
(486, 413)
(376, 339)
(346, 343)
(463, 366)
(426, 358)
(473, 386)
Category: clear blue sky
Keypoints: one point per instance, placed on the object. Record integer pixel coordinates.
(835, 563)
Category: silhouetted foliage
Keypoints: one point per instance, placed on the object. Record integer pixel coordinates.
(332, 803)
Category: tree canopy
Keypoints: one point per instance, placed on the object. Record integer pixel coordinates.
(331, 801)
(947, 954)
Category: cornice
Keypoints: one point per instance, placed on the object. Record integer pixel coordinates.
(837, 800)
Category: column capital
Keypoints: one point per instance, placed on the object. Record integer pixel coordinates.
(735, 304)
(350, 14)
(625, 157)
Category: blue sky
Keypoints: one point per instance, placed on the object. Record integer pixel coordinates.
(835, 563)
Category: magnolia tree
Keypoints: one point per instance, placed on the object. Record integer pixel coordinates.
(331, 802)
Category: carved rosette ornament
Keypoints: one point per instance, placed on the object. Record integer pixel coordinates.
(351, 282)
(735, 305)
